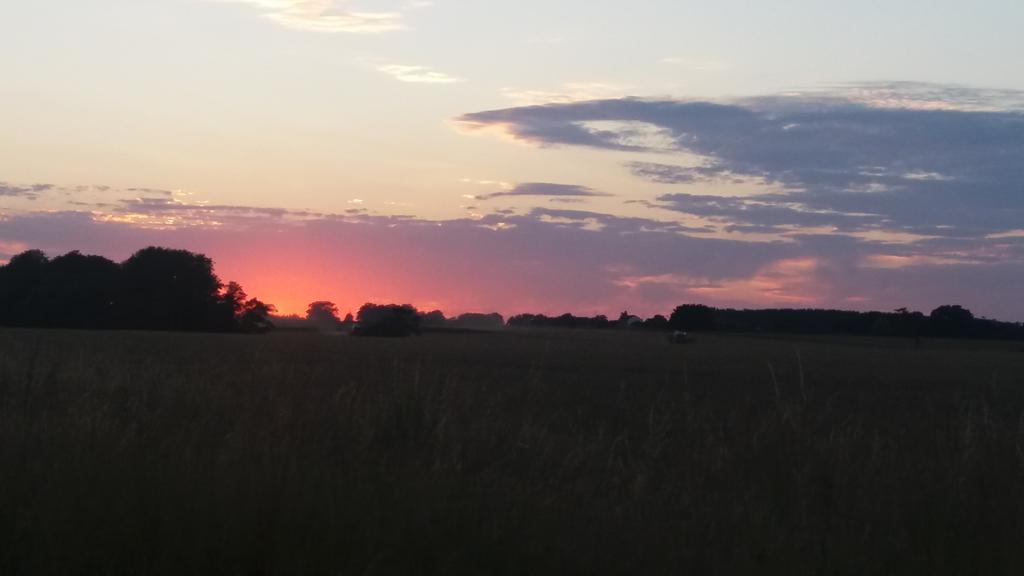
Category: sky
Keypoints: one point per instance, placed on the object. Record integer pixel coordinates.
(529, 156)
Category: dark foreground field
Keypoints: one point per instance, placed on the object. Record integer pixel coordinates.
(511, 453)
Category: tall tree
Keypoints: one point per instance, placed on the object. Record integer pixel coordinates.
(323, 314)
(255, 316)
(166, 289)
(387, 320)
(79, 291)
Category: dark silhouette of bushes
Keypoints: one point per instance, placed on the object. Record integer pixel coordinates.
(154, 289)
(477, 321)
(693, 317)
(950, 321)
(564, 321)
(656, 322)
(434, 319)
(387, 320)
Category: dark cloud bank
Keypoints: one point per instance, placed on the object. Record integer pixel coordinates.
(921, 169)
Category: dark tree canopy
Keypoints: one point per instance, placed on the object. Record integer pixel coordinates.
(255, 316)
(434, 318)
(169, 289)
(564, 321)
(323, 314)
(154, 289)
(21, 281)
(656, 322)
(233, 296)
(387, 320)
(80, 291)
(478, 321)
(946, 321)
(951, 320)
(692, 317)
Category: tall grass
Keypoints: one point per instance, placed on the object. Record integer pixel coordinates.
(512, 453)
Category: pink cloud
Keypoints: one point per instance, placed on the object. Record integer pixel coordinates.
(545, 262)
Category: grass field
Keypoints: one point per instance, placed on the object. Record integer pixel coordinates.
(521, 452)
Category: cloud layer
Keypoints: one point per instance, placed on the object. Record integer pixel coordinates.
(545, 189)
(331, 16)
(931, 166)
(544, 260)
(877, 199)
(30, 192)
(417, 74)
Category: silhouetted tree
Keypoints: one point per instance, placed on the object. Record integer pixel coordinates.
(951, 320)
(387, 320)
(907, 323)
(233, 296)
(20, 281)
(255, 316)
(478, 321)
(528, 320)
(167, 289)
(228, 309)
(434, 318)
(323, 314)
(157, 288)
(692, 317)
(656, 322)
(563, 321)
(79, 292)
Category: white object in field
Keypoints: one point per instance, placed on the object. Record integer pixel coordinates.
(679, 337)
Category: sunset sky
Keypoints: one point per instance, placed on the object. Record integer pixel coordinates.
(581, 156)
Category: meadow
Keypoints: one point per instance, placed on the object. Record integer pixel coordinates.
(517, 452)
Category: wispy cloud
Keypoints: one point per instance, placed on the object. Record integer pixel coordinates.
(567, 92)
(925, 96)
(417, 74)
(672, 174)
(31, 191)
(545, 189)
(329, 16)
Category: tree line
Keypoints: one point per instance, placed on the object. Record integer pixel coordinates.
(154, 289)
(393, 320)
(166, 289)
(947, 321)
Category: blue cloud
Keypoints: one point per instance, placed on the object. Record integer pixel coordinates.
(546, 189)
(922, 164)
